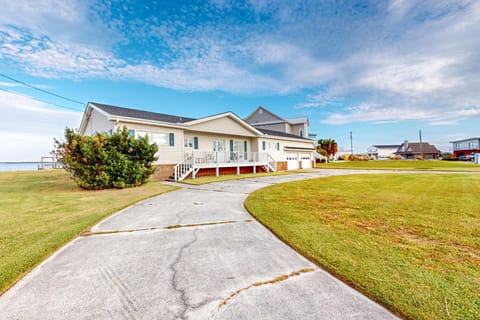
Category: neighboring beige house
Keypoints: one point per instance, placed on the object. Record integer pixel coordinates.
(218, 144)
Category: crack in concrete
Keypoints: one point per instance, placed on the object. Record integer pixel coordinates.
(176, 226)
(262, 283)
(179, 214)
(174, 281)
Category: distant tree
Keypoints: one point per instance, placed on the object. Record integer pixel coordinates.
(329, 146)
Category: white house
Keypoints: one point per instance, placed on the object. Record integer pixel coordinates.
(218, 144)
(382, 151)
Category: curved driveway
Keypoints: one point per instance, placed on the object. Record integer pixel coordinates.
(194, 253)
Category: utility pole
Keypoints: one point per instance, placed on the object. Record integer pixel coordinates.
(421, 146)
(351, 143)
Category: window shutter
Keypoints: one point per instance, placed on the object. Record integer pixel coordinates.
(195, 143)
(171, 139)
(131, 133)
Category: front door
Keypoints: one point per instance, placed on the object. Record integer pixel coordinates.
(219, 147)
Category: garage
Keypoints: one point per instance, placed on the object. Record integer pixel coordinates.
(292, 161)
(306, 160)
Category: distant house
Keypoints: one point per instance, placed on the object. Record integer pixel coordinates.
(379, 151)
(415, 150)
(221, 143)
(465, 147)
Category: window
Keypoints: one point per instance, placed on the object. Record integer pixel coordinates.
(110, 132)
(195, 143)
(131, 133)
(278, 146)
(160, 138)
(300, 132)
(188, 142)
(264, 145)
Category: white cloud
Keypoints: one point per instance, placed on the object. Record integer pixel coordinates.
(416, 60)
(29, 126)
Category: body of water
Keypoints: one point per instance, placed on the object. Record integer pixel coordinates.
(18, 166)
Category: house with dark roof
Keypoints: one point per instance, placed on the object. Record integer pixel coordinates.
(217, 144)
(416, 150)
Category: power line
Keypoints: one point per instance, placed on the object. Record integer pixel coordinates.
(40, 89)
(43, 101)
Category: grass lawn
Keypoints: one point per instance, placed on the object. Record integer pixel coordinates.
(403, 165)
(42, 210)
(212, 179)
(410, 242)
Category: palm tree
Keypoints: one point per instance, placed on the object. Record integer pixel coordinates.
(328, 145)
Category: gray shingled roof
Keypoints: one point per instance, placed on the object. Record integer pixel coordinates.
(140, 114)
(280, 134)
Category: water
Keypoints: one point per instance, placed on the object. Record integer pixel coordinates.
(18, 166)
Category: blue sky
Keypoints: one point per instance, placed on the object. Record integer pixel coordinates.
(382, 69)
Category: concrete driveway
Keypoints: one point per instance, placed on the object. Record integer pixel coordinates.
(194, 253)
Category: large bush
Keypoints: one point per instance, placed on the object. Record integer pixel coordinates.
(108, 161)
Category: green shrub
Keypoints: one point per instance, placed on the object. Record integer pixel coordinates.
(108, 161)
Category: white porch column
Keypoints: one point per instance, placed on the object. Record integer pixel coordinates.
(238, 164)
(217, 170)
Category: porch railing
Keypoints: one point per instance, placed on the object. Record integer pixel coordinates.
(213, 157)
(197, 160)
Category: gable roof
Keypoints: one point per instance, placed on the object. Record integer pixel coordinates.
(267, 111)
(228, 114)
(281, 134)
(139, 114)
(414, 148)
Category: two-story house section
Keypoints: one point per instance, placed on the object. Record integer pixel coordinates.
(262, 118)
(465, 147)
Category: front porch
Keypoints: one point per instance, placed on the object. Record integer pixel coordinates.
(197, 160)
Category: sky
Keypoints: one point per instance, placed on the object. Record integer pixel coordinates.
(382, 70)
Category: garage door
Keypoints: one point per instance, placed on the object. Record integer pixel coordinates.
(292, 162)
(306, 161)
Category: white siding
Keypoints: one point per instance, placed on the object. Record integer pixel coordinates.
(98, 123)
(205, 140)
(166, 154)
(223, 126)
(281, 155)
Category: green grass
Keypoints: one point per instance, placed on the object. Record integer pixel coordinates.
(227, 177)
(40, 211)
(410, 242)
(432, 165)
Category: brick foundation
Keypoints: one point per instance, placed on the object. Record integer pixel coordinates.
(164, 171)
(225, 171)
(282, 165)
